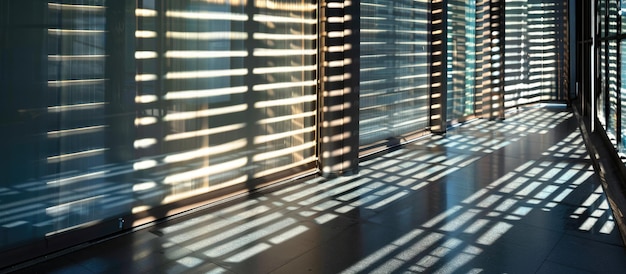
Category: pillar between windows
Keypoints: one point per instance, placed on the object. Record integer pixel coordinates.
(339, 88)
(438, 66)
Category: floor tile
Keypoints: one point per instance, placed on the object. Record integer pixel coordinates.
(514, 196)
(60, 265)
(554, 268)
(589, 255)
(496, 258)
(345, 250)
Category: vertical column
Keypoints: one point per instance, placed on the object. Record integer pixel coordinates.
(618, 84)
(339, 86)
(603, 33)
(251, 61)
(483, 59)
(584, 41)
(572, 55)
(594, 65)
(438, 66)
(497, 57)
(564, 82)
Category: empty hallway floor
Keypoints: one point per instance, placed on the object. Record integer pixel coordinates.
(516, 196)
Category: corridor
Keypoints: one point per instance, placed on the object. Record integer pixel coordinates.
(516, 196)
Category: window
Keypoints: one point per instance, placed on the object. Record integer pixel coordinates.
(394, 70)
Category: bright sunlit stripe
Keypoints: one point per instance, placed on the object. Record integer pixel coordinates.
(189, 262)
(145, 34)
(591, 199)
(146, 77)
(204, 132)
(193, 94)
(73, 179)
(76, 155)
(248, 252)
(335, 19)
(74, 32)
(145, 164)
(75, 107)
(338, 63)
(275, 5)
(387, 200)
(283, 52)
(199, 191)
(145, 13)
(75, 131)
(218, 35)
(288, 234)
(205, 171)
(283, 19)
(339, 34)
(271, 137)
(443, 216)
(205, 15)
(286, 118)
(286, 102)
(186, 54)
(66, 83)
(375, 31)
(144, 99)
(251, 236)
(588, 224)
(146, 55)
(94, 57)
(341, 48)
(75, 7)
(282, 152)
(205, 113)
(268, 70)
(384, 252)
(205, 74)
(284, 85)
(494, 233)
(205, 151)
(144, 186)
(144, 143)
(276, 36)
(608, 226)
(225, 2)
(144, 121)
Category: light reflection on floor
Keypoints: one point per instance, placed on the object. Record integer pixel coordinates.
(516, 201)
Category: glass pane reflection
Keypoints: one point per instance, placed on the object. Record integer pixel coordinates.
(394, 67)
(534, 51)
(461, 58)
(116, 107)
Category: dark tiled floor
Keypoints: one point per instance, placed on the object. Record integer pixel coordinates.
(518, 196)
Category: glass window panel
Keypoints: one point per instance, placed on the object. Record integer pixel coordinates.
(622, 146)
(394, 67)
(77, 143)
(516, 53)
(602, 12)
(461, 58)
(543, 39)
(613, 10)
(533, 55)
(117, 107)
(622, 16)
(613, 91)
(601, 97)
